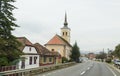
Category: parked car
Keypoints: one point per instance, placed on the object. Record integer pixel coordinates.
(117, 63)
(80, 60)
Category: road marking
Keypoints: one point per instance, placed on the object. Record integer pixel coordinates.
(83, 73)
(88, 68)
(112, 71)
(43, 75)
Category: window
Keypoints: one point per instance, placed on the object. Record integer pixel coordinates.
(50, 59)
(30, 49)
(35, 59)
(63, 33)
(52, 49)
(30, 60)
(45, 59)
(66, 33)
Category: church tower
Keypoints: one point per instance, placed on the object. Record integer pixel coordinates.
(65, 30)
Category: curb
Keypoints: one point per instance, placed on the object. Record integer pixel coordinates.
(112, 66)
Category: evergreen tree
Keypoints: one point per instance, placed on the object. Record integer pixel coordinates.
(75, 53)
(8, 43)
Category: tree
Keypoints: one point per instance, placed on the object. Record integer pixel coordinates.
(8, 42)
(64, 59)
(75, 53)
(117, 51)
(102, 55)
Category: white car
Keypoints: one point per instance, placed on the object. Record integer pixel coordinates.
(117, 62)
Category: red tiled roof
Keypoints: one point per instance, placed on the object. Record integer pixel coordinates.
(56, 40)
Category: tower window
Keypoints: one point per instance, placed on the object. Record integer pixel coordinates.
(63, 33)
(52, 49)
(66, 33)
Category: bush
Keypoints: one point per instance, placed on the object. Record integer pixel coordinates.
(64, 60)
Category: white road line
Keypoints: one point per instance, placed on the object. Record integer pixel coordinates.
(43, 75)
(83, 73)
(88, 68)
(112, 71)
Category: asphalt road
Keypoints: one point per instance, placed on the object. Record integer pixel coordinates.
(89, 68)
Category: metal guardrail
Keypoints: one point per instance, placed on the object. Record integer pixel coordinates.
(25, 72)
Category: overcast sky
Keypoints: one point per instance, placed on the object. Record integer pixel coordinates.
(95, 24)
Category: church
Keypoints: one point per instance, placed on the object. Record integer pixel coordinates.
(61, 43)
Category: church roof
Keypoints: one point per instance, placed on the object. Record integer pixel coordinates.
(58, 40)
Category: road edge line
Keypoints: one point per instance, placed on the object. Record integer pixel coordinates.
(118, 70)
(111, 71)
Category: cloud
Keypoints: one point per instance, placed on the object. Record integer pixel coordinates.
(94, 23)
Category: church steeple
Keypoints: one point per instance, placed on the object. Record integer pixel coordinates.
(65, 22)
(65, 31)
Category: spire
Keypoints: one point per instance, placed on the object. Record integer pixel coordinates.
(65, 23)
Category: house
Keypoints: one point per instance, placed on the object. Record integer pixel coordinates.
(30, 58)
(91, 56)
(47, 57)
(58, 58)
(61, 43)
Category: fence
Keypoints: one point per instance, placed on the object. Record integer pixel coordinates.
(8, 68)
(34, 71)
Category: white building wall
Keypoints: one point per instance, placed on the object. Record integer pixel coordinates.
(32, 65)
(32, 50)
(27, 50)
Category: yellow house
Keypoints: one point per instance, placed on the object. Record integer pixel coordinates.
(61, 43)
(47, 57)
